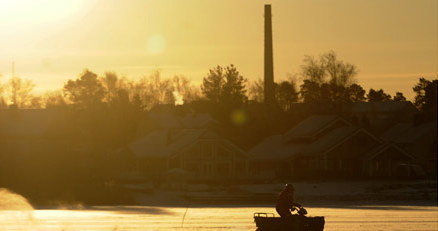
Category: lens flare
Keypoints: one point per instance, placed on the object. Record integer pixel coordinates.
(156, 44)
(238, 117)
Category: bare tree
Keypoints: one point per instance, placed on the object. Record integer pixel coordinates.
(35, 102)
(152, 90)
(339, 72)
(328, 79)
(328, 66)
(20, 91)
(313, 70)
(3, 103)
(255, 90)
(54, 99)
(109, 82)
(183, 87)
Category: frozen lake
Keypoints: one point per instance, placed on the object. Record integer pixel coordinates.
(214, 218)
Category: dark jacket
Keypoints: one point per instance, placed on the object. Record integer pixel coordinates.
(285, 202)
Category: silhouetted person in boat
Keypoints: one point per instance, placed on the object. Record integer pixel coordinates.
(285, 203)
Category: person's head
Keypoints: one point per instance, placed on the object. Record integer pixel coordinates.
(289, 188)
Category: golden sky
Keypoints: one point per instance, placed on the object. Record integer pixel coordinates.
(392, 42)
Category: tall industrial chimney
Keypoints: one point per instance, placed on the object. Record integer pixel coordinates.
(269, 63)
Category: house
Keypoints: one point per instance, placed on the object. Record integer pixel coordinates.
(389, 160)
(327, 146)
(379, 116)
(201, 154)
(420, 140)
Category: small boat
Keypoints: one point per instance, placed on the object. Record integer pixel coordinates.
(299, 222)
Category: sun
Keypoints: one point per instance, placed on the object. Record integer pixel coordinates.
(156, 44)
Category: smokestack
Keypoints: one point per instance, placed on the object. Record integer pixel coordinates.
(269, 63)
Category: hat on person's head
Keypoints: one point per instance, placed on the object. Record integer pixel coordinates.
(289, 187)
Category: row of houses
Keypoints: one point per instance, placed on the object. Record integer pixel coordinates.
(329, 146)
(369, 141)
(319, 147)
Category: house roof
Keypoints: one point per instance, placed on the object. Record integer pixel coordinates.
(332, 138)
(390, 106)
(408, 132)
(165, 142)
(313, 125)
(275, 147)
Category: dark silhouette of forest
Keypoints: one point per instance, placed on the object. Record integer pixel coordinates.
(93, 116)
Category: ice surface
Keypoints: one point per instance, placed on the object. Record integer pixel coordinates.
(215, 218)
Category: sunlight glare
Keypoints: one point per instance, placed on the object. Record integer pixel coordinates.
(17, 12)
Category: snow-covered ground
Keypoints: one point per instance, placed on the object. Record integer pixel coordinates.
(358, 193)
(359, 218)
(345, 206)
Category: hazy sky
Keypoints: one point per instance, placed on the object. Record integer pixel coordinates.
(392, 42)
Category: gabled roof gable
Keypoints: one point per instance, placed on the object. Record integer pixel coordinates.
(169, 142)
(385, 146)
(314, 126)
(348, 134)
(164, 142)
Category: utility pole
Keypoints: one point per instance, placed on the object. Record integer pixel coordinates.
(13, 69)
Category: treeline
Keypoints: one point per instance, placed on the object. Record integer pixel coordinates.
(326, 80)
(89, 90)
